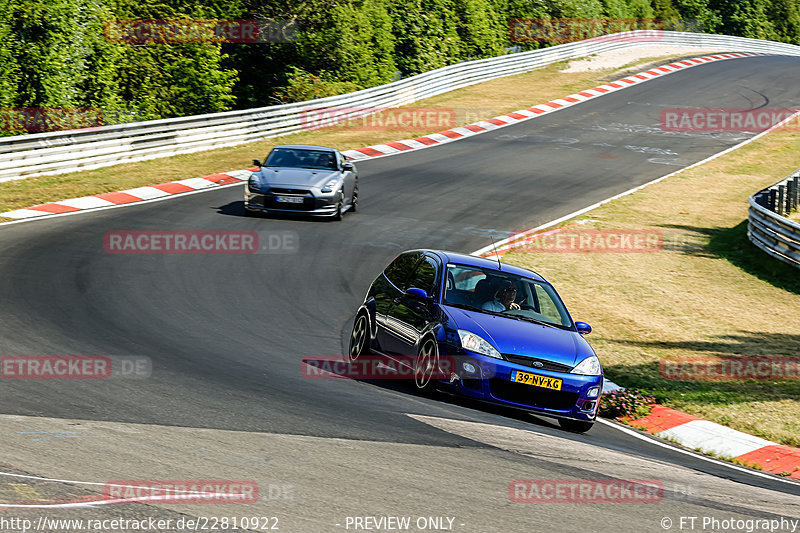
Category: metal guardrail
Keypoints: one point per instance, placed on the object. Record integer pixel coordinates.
(768, 228)
(69, 151)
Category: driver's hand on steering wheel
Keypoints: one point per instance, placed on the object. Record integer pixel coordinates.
(513, 305)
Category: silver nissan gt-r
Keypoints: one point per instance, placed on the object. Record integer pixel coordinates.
(305, 179)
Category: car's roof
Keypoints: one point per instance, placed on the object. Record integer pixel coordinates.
(482, 262)
(306, 147)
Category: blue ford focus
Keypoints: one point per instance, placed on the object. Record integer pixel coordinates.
(489, 331)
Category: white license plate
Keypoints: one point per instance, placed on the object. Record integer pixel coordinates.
(289, 199)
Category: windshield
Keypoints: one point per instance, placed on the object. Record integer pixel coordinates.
(300, 158)
(493, 292)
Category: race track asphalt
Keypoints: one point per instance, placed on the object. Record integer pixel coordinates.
(226, 332)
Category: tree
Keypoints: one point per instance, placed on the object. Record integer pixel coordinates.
(426, 34)
(785, 15)
(56, 46)
(354, 43)
(171, 79)
(9, 70)
(481, 30)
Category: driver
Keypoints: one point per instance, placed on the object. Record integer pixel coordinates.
(329, 162)
(503, 299)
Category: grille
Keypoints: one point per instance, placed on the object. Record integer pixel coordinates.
(503, 389)
(289, 191)
(528, 361)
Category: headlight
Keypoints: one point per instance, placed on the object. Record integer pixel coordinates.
(588, 367)
(477, 344)
(330, 185)
(253, 184)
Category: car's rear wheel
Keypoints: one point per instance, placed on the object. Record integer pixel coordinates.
(575, 426)
(426, 365)
(359, 339)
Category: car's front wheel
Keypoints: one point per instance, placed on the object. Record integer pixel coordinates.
(354, 201)
(359, 339)
(426, 365)
(575, 426)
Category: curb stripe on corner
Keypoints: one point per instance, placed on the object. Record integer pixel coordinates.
(696, 433)
(138, 194)
(541, 109)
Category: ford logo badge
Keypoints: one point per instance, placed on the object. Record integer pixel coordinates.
(538, 364)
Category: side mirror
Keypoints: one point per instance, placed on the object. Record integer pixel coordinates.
(347, 166)
(417, 294)
(257, 162)
(583, 328)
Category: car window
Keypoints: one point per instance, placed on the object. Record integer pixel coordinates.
(547, 305)
(463, 279)
(302, 158)
(281, 158)
(424, 276)
(475, 287)
(401, 268)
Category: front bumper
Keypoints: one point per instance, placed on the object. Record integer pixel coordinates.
(310, 205)
(490, 382)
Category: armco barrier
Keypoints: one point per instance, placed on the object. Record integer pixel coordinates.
(68, 151)
(767, 228)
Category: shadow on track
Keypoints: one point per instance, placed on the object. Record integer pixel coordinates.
(407, 387)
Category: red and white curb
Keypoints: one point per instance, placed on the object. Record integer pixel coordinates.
(153, 192)
(129, 196)
(500, 121)
(711, 438)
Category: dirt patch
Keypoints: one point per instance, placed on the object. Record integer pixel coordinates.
(639, 56)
